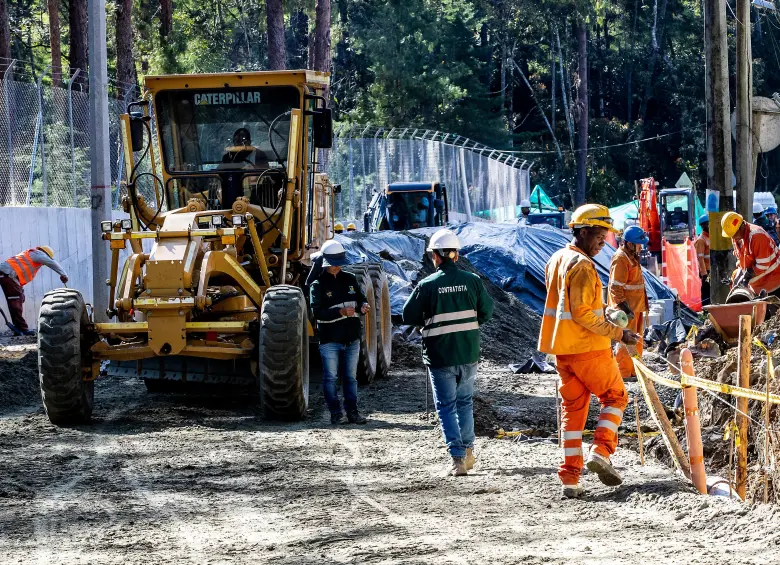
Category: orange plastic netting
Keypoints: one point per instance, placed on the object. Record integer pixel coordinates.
(681, 272)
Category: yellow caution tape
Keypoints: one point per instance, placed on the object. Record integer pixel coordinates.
(731, 428)
(687, 380)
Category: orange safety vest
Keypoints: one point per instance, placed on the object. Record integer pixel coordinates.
(561, 333)
(702, 245)
(24, 267)
(757, 251)
(626, 283)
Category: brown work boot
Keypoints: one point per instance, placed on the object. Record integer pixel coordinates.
(458, 468)
(469, 458)
(602, 466)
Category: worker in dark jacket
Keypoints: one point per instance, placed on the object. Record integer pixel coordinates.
(337, 302)
(451, 304)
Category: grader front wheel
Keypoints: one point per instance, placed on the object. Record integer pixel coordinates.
(283, 368)
(67, 398)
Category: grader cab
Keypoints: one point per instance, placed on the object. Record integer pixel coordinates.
(207, 282)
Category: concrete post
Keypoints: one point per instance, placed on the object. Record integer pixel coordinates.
(744, 114)
(719, 167)
(100, 193)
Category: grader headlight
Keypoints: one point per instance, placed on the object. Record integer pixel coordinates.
(106, 226)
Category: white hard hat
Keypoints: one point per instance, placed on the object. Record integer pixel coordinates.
(443, 239)
(757, 208)
(333, 254)
(525, 203)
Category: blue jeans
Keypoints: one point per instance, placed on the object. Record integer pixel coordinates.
(453, 391)
(335, 355)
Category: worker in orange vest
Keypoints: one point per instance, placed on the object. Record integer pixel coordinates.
(758, 258)
(20, 270)
(702, 246)
(627, 293)
(575, 330)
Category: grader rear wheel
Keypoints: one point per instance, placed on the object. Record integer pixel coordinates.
(283, 349)
(67, 398)
(367, 363)
(384, 323)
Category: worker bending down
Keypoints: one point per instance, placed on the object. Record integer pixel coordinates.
(627, 293)
(758, 259)
(702, 246)
(575, 330)
(20, 270)
(451, 304)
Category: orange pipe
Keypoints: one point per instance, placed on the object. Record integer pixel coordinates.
(692, 426)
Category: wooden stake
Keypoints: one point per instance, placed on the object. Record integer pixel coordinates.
(658, 413)
(743, 375)
(639, 431)
(767, 406)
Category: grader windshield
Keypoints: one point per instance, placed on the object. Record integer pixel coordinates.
(224, 143)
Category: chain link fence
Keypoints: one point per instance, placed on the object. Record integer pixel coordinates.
(44, 139)
(482, 183)
(44, 155)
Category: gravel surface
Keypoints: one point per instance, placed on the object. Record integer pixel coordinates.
(178, 479)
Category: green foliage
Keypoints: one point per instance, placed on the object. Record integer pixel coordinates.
(449, 65)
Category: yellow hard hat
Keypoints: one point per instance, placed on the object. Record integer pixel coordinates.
(339, 227)
(351, 226)
(730, 223)
(592, 215)
(48, 250)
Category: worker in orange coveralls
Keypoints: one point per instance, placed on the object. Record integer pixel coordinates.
(758, 259)
(627, 293)
(575, 330)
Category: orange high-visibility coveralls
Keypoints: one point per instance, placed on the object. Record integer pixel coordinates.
(702, 246)
(626, 284)
(575, 331)
(757, 251)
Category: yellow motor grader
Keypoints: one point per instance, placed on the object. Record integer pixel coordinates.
(211, 286)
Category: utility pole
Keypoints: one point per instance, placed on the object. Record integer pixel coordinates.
(719, 143)
(100, 197)
(744, 112)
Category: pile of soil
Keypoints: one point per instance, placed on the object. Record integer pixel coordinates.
(18, 378)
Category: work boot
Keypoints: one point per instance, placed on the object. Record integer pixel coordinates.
(603, 468)
(338, 419)
(469, 458)
(458, 468)
(355, 417)
(572, 491)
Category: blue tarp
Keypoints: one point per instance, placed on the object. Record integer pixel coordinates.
(513, 257)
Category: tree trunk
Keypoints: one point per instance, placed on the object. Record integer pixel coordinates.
(54, 41)
(564, 97)
(166, 17)
(277, 53)
(629, 109)
(5, 37)
(321, 38)
(552, 75)
(125, 67)
(657, 34)
(581, 33)
(77, 16)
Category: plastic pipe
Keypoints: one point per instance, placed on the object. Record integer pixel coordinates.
(692, 426)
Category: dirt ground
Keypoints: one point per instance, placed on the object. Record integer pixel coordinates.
(176, 479)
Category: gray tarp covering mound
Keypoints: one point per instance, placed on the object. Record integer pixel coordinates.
(513, 257)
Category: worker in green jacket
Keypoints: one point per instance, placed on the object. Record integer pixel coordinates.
(450, 305)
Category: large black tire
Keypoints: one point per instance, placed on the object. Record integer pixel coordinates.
(384, 322)
(67, 398)
(283, 346)
(367, 363)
